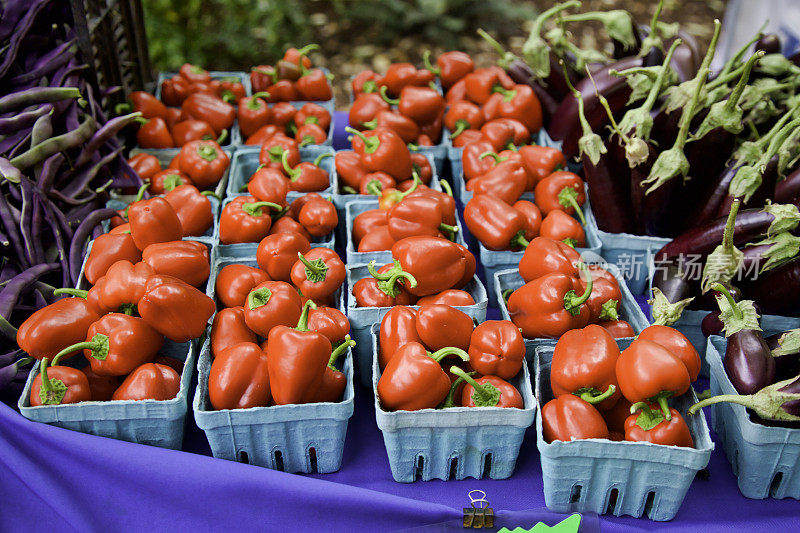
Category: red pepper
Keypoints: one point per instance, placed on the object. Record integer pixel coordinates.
(204, 162)
(194, 130)
(390, 196)
(450, 67)
(488, 391)
(295, 55)
(173, 116)
(421, 104)
(417, 215)
(59, 385)
(194, 74)
(314, 86)
(604, 302)
(375, 183)
(365, 81)
(219, 115)
(101, 387)
(521, 133)
(474, 165)
(405, 127)
(254, 113)
(382, 150)
(453, 297)
(262, 77)
(319, 273)
(147, 104)
(283, 114)
(413, 378)
(149, 381)
(422, 167)
(154, 133)
(618, 329)
(367, 221)
(231, 90)
(318, 216)
(467, 137)
(239, 378)
(647, 371)
(560, 226)
(519, 103)
(177, 310)
(549, 306)
(333, 380)
(456, 93)
(305, 176)
(234, 282)
(145, 165)
(121, 287)
(54, 327)
(436, 264)
(649, 425)
(365, 109)
(497, 225)
(543, 256)
(349, 169)
(186, 260)
(262, 135)
(270, 304)
(166, 180)
(500, 134)
(245, 219)
(268, 185)
(397, 76)
(312, 113)
(677, 343)
(463, 116)
(541, 161)
(276, 254)
(377, 240)
(310, 134)
(193, 209)
(286, 224)
(106, 250)
(562, 191)
(209, 89)
(424, 78)
(441, 325)
(330, 322)
(174, 90)
(153, 221)
(506, 181)
(229, 329)
(532, 217)
(568, 417)
(398, 327)
(496, 348)
(386, 287)
(272, 151)
(584, 364)
(480, 84)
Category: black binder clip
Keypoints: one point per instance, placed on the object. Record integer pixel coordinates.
(481, 516)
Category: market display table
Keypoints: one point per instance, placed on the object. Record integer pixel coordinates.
(58, 479)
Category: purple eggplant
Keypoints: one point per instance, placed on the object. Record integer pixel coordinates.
(787, 191)
(785, 347)
(778, 402)
(711, 324)
(778, 290)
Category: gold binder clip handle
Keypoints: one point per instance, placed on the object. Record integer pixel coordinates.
(480, 516)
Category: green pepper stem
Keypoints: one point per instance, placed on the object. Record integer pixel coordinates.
(416, 182)
(448, 228)
(590, 398)
(207, 152)
(348, 190)
(394, 278)
(370, 143)
(461, 125)
(302, 323)
(292, 172)
(123, 108)
(273, 74)
(507, 294)
(320, 157)
(316, 269)
(256, 96)
(254, 208)
(258, 298)
(370, 125)
(493, 155)
(572, 302)
(662, 402)
(722, 289)
(438, 355)
(386, 98)
(339, 350)
(519, 240)
(46, 385)
(426, 60)
(306, 49)
(86, 345)
(212, 194)
(222, 136)
(568, 196)
(172, 181)
(140, 192)
(374, 187)
(80, 293)
(450, 400)
(480, 389)
(377, 275)
(446, 187)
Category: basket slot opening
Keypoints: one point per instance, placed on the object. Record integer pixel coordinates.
(487, 465)
(453, 473)
(278, 460)
(312, 460)
(612, 501)
(648, 504)
(420, 467)
(243, 457)
(575, 494)
(735, 463)
(776, 484)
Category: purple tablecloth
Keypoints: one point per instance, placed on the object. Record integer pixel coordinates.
(58, 479)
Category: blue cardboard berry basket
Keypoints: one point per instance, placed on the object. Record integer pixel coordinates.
(363, 318)
(764, 458)
(453, 443)
(601, 476)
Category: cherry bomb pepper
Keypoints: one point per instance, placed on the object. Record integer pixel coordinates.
(276, 254)
(519, 103)
(405, 127)
(365, 109)
(271, 304)
(500, 134)
(585, 364)
(154, 133)
(333, 380)
(531, 216)
(385, 287)
(677, 343)
(245, 219)
(101, 387)
(318, 216)
(445, 199)
(474, 162)
(310, 134)
(262, 135)
(174, 90)
(193, 209)
(174, 308)
(204, 162)
(398, 327)
(228, 329)
(417, 215)
(235, 281)
(211, 109)
(56, 385)
(543, 256)
(239, 378)
(488, 391)
(563, 191)
(306, 177)
(421, 104)
(330, 322)
(435, 263)
(166, 180)
(152, 221)
(382, 150)
(440, 326)
(186, 260)
(619, 329)
(187, 131)
(549, 306)
(146, 165)
(496, 348)
(506, 180)
(272, 150)
(452, 297)
(349, 169)
(253, 113)
(150, 381)
(649, 425)
(450, 66)
(313, 85)
(480, 84)
(121, 287)
(497, 225)
(541, 161)
(319, 273)
(374, 183)
(106, 250)
(569, 417)
(379, 239)
(268, 184)
(414, 379)
(463, 116)
(54, 327)
(231, 89)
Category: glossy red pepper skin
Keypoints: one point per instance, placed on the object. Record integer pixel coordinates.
(531, 216)
(436, 263)
(121, 343)
(376, 183)
(307, 177)
(548, 189)
(365, 109)
(541, 161)
(453, 297)
(149, 381)
(122, 286)
(271, 304)
(154, 134)
(538, 307)
(330, 322)
(349, 168)
(480, 83)
(414, 215)
(276, 254)
(365, 81)
(174, 308)
(467, 137)
(506, 181)
(147, 104)
(310, 134)
(217, 113)
(605, 301)
(497, 225)
(262, 135)
(174, 91)
(228, 329)
(421, 104)
(204, 162)
(383, 150)
(585, 362)
(519, 103)
(234, 282)
(367, 221)
(193, 209)
(102, 387)
(74, 381)
(253, 113)
(463, 116)
(231, 90)
(422, 166)
(619, 329)
(153, 221)
(677, 343)
(164, 181)
(405, 127)
(269, 184)
(56, 326)
(646, 370)
(456, 93)
(146, 165)
(244, 219)
(496, 348)
(194, 73)
(272, 151)
(262, 76)
(186, 260)
(500, 134)
(509, 395)
(440, 326)
(412, 380)
(674, 432)
(430, 133)
(559, 226)
(239, 378)
(543, 256)
(312, 113)
(287, 224)
(314, 86)
(568, 417)
(474, 165)
(377, 240)
(106, 250)
(283, 91)
(192, 130)
(446, 202)
(318, 273)
(453, 66)
(397, 76)
(398, 327)
(368, 292)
